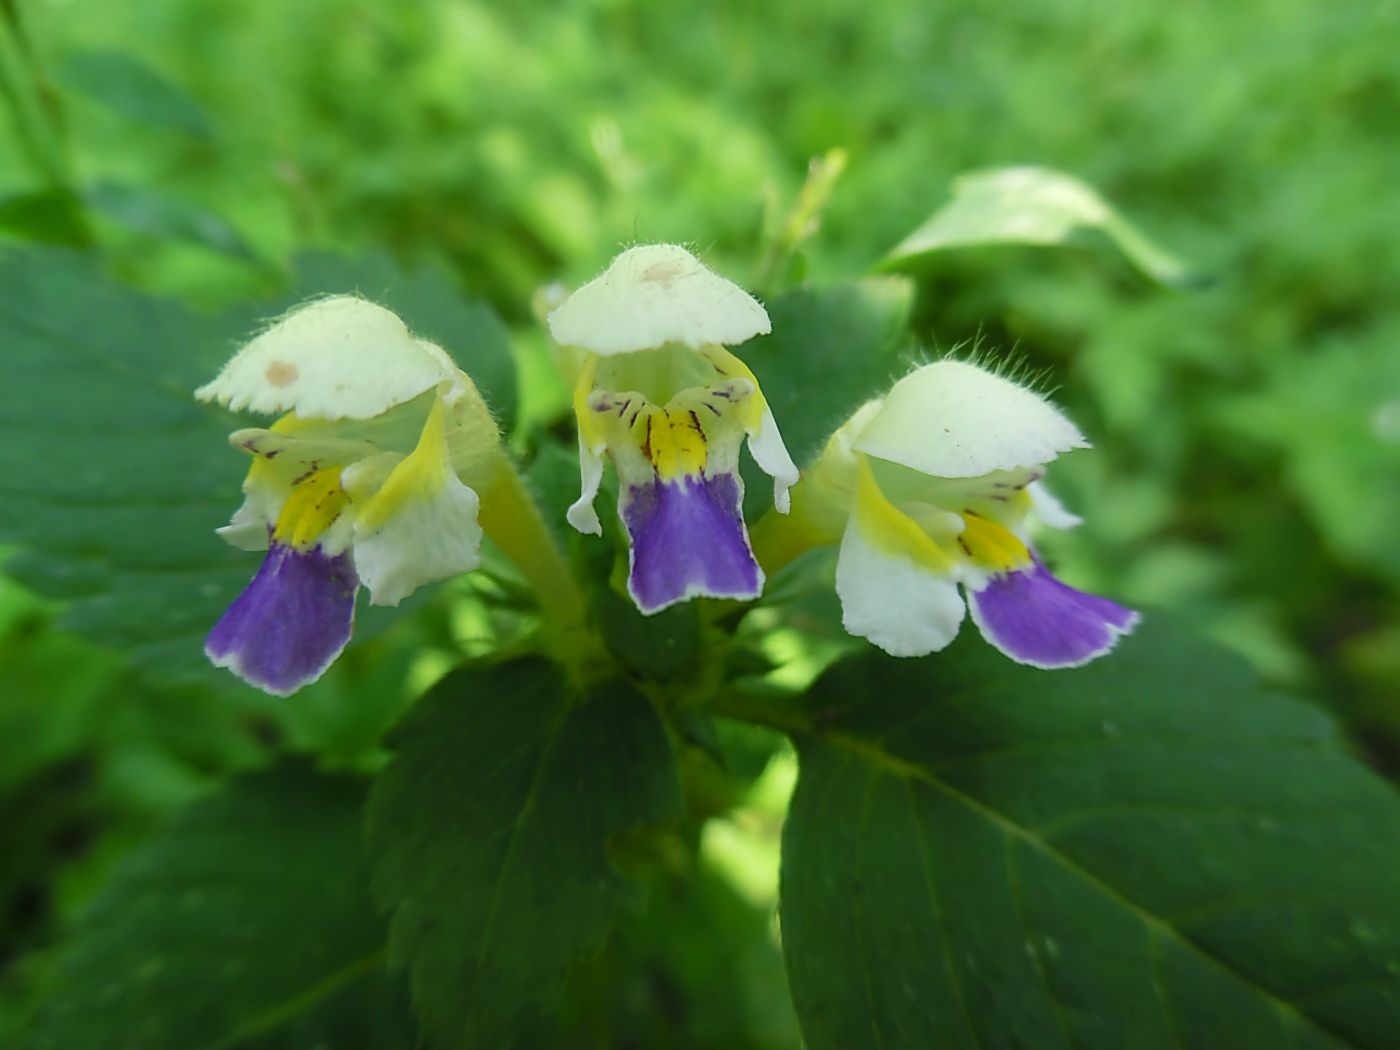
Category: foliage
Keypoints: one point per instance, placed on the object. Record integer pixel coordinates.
(1181, 220)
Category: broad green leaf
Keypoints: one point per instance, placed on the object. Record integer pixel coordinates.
(1038, 206)
(832, 348)
(246, 923)
(114, 478)
(128, 86)
(1146, 852)
(491, 831)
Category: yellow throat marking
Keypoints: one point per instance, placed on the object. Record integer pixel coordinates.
(311, 508)
(991, 546)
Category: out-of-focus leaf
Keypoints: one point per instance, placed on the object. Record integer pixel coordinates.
(51, 216)
(157, 214)
(1145, 852)
(491, 830)
(246, 923)
(1335, 416)
(125, 85)
(115, 478)
(1030, 205)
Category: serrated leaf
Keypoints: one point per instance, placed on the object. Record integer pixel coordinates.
(1149, 851)
(125, 85)
(490, 830)
(1037, 206)
(113, 475)
(246, 922)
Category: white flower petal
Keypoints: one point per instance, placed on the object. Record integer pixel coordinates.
(421, 523)
(893, 601)
(248, 529)
(653, 295)
(336, 358)
(768, 451)
(951, 419)
(1047, 507)
(427, 539)
(581, 514)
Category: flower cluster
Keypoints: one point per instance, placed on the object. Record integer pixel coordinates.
(385, 455)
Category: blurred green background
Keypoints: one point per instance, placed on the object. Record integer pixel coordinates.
(1247, 472)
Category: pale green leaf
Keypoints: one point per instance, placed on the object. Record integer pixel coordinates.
(1036, 206)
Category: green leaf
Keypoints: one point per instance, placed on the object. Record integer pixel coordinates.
(160, 215)
(1037, 206)
(51, 216)
(1145, 852)
(116, 478)
(251, 912)
(127, 86)
(491, 832)
(832, 348)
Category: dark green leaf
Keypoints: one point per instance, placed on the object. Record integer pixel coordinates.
(832, 348)
(491, 830)
(698, 970)
(1029, 205)
(51, 216)
(116, 477)
(127, 86)
(249, 913)
(658, 647)
(1145, 852)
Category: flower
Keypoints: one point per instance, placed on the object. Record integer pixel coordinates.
(370, 477)
(936, 487)
(660, 394)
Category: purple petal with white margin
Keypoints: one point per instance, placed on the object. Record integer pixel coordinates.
(1035, 619)
(688, 539)
(290, 622)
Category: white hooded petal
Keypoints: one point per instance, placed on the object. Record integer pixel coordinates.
(892, 601)
(336, 358)
(421, 523)
(951, 419)
(653, 295)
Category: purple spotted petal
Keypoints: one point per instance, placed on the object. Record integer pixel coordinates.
(688, 539)
(290, 622)
(1035, 619)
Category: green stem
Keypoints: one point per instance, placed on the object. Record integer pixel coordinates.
(38, 113)
(511, 517)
